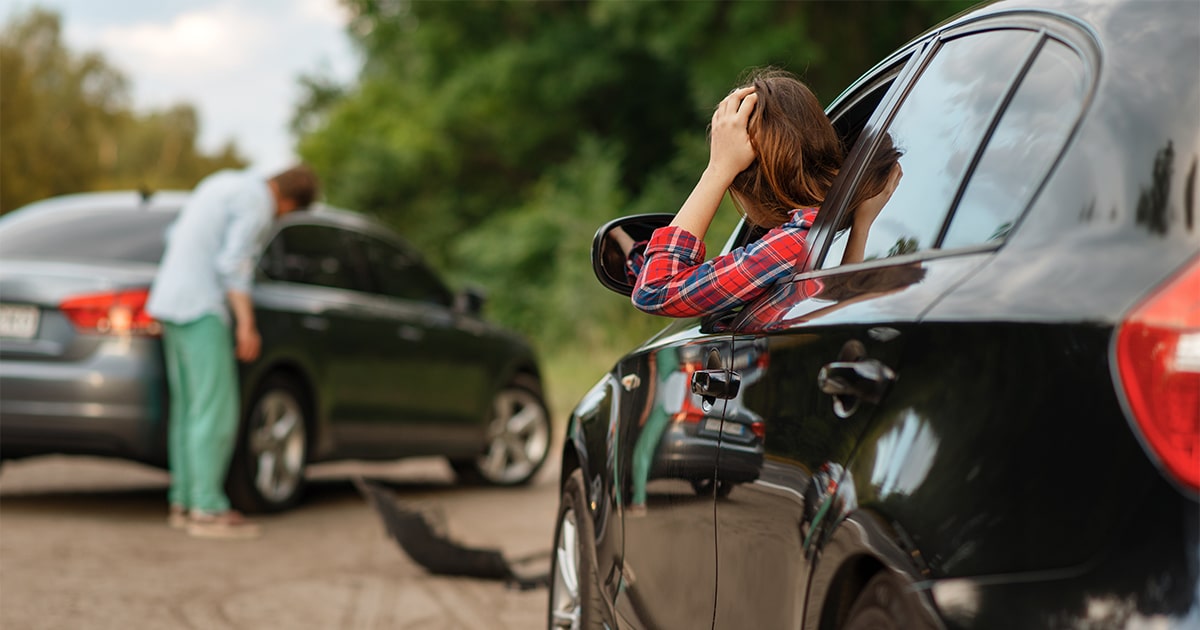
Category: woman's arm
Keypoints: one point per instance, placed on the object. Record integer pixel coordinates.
(676, 281)
(864, 217)
(729, 154)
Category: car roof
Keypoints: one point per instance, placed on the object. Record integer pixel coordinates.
(173, 200)
(166, 200)
(170, 201)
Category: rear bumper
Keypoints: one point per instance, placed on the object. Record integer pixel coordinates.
(687, 451)
(1148, 578)
(112, 403)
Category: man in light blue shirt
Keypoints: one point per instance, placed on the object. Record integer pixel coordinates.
(207, 271)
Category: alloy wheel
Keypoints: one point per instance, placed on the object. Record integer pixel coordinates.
(566, 609)
(277, 443)
(518, 438)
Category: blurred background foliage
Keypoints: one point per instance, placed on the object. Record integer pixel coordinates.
(68, 126)
(495, 136)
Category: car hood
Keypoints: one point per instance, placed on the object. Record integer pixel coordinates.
(49, 282)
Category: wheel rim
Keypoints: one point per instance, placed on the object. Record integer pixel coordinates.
(565, 607)
(277, 446)
(518, 437)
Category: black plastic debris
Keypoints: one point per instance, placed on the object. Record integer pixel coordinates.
(412, 530)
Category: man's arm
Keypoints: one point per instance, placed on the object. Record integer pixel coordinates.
(246, 332)
(235, 263)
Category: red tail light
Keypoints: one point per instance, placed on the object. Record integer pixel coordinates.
(1158, 360)
(112, 313)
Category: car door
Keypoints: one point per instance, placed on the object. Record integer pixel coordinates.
(666, 457)
(310, 302)
(439, 367)
(831, 348)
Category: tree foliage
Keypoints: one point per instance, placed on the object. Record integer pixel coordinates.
(68, 126)
(499, 135)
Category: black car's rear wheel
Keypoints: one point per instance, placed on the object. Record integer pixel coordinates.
(882, 605)
(518, 437)
(574, 590)
(267, 472)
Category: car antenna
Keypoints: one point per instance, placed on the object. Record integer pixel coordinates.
(145, 192)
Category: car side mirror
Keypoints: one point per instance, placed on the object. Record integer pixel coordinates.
(615, 241)
(470, 301)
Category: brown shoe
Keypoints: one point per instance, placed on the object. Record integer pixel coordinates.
(227, 525)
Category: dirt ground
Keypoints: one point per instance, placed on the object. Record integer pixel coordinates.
(84, 544)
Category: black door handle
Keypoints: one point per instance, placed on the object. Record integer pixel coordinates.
(867, 379)
(716, 384)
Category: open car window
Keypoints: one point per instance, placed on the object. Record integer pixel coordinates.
(853, 112)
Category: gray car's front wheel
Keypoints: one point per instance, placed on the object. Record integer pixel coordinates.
(518, 437)
(267, 472)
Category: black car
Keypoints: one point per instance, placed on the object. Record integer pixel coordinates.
(366, 354)
(991, 422)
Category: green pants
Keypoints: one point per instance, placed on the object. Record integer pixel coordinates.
(202, 374)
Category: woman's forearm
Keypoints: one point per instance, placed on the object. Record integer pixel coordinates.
(698, 210)
(856, 245)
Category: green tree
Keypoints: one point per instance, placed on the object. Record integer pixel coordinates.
(67, 125)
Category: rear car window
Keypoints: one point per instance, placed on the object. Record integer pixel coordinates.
(1022, 149)
(130, 235)
(980, 129)
(939, 126)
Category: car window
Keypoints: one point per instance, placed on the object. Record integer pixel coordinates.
(315, 254)
(939, 126)
(398, 274)
(1020, 152)
(125, 234)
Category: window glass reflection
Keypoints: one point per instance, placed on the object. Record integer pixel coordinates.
(939, 126)
(316, 255)
(397, 274)
(1023, 147)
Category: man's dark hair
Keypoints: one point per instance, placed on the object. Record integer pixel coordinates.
(299, 184)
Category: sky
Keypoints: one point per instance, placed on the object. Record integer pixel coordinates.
(236, 61)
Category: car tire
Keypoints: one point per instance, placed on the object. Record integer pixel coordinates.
(575, 599)
(518, 437)
(704, 487)
(267, 471)
(882, 605)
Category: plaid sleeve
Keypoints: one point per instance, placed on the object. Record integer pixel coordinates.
(675, 282)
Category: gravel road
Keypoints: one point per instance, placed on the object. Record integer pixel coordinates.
(84, 544)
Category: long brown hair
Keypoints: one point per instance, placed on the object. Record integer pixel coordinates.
(799, 153)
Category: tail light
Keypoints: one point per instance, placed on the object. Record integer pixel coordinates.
(111, 313)
(1158, 361)
(688, 411)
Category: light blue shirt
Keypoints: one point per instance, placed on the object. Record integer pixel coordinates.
(212, 247)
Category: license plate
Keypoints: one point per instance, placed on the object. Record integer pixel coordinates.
(729, 428)
(18, 322)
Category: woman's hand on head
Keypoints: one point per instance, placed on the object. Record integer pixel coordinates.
(731, 151)
(869, 209)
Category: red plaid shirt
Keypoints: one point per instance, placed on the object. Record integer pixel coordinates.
(675, 281)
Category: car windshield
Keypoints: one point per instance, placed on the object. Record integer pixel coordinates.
(93, 234)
